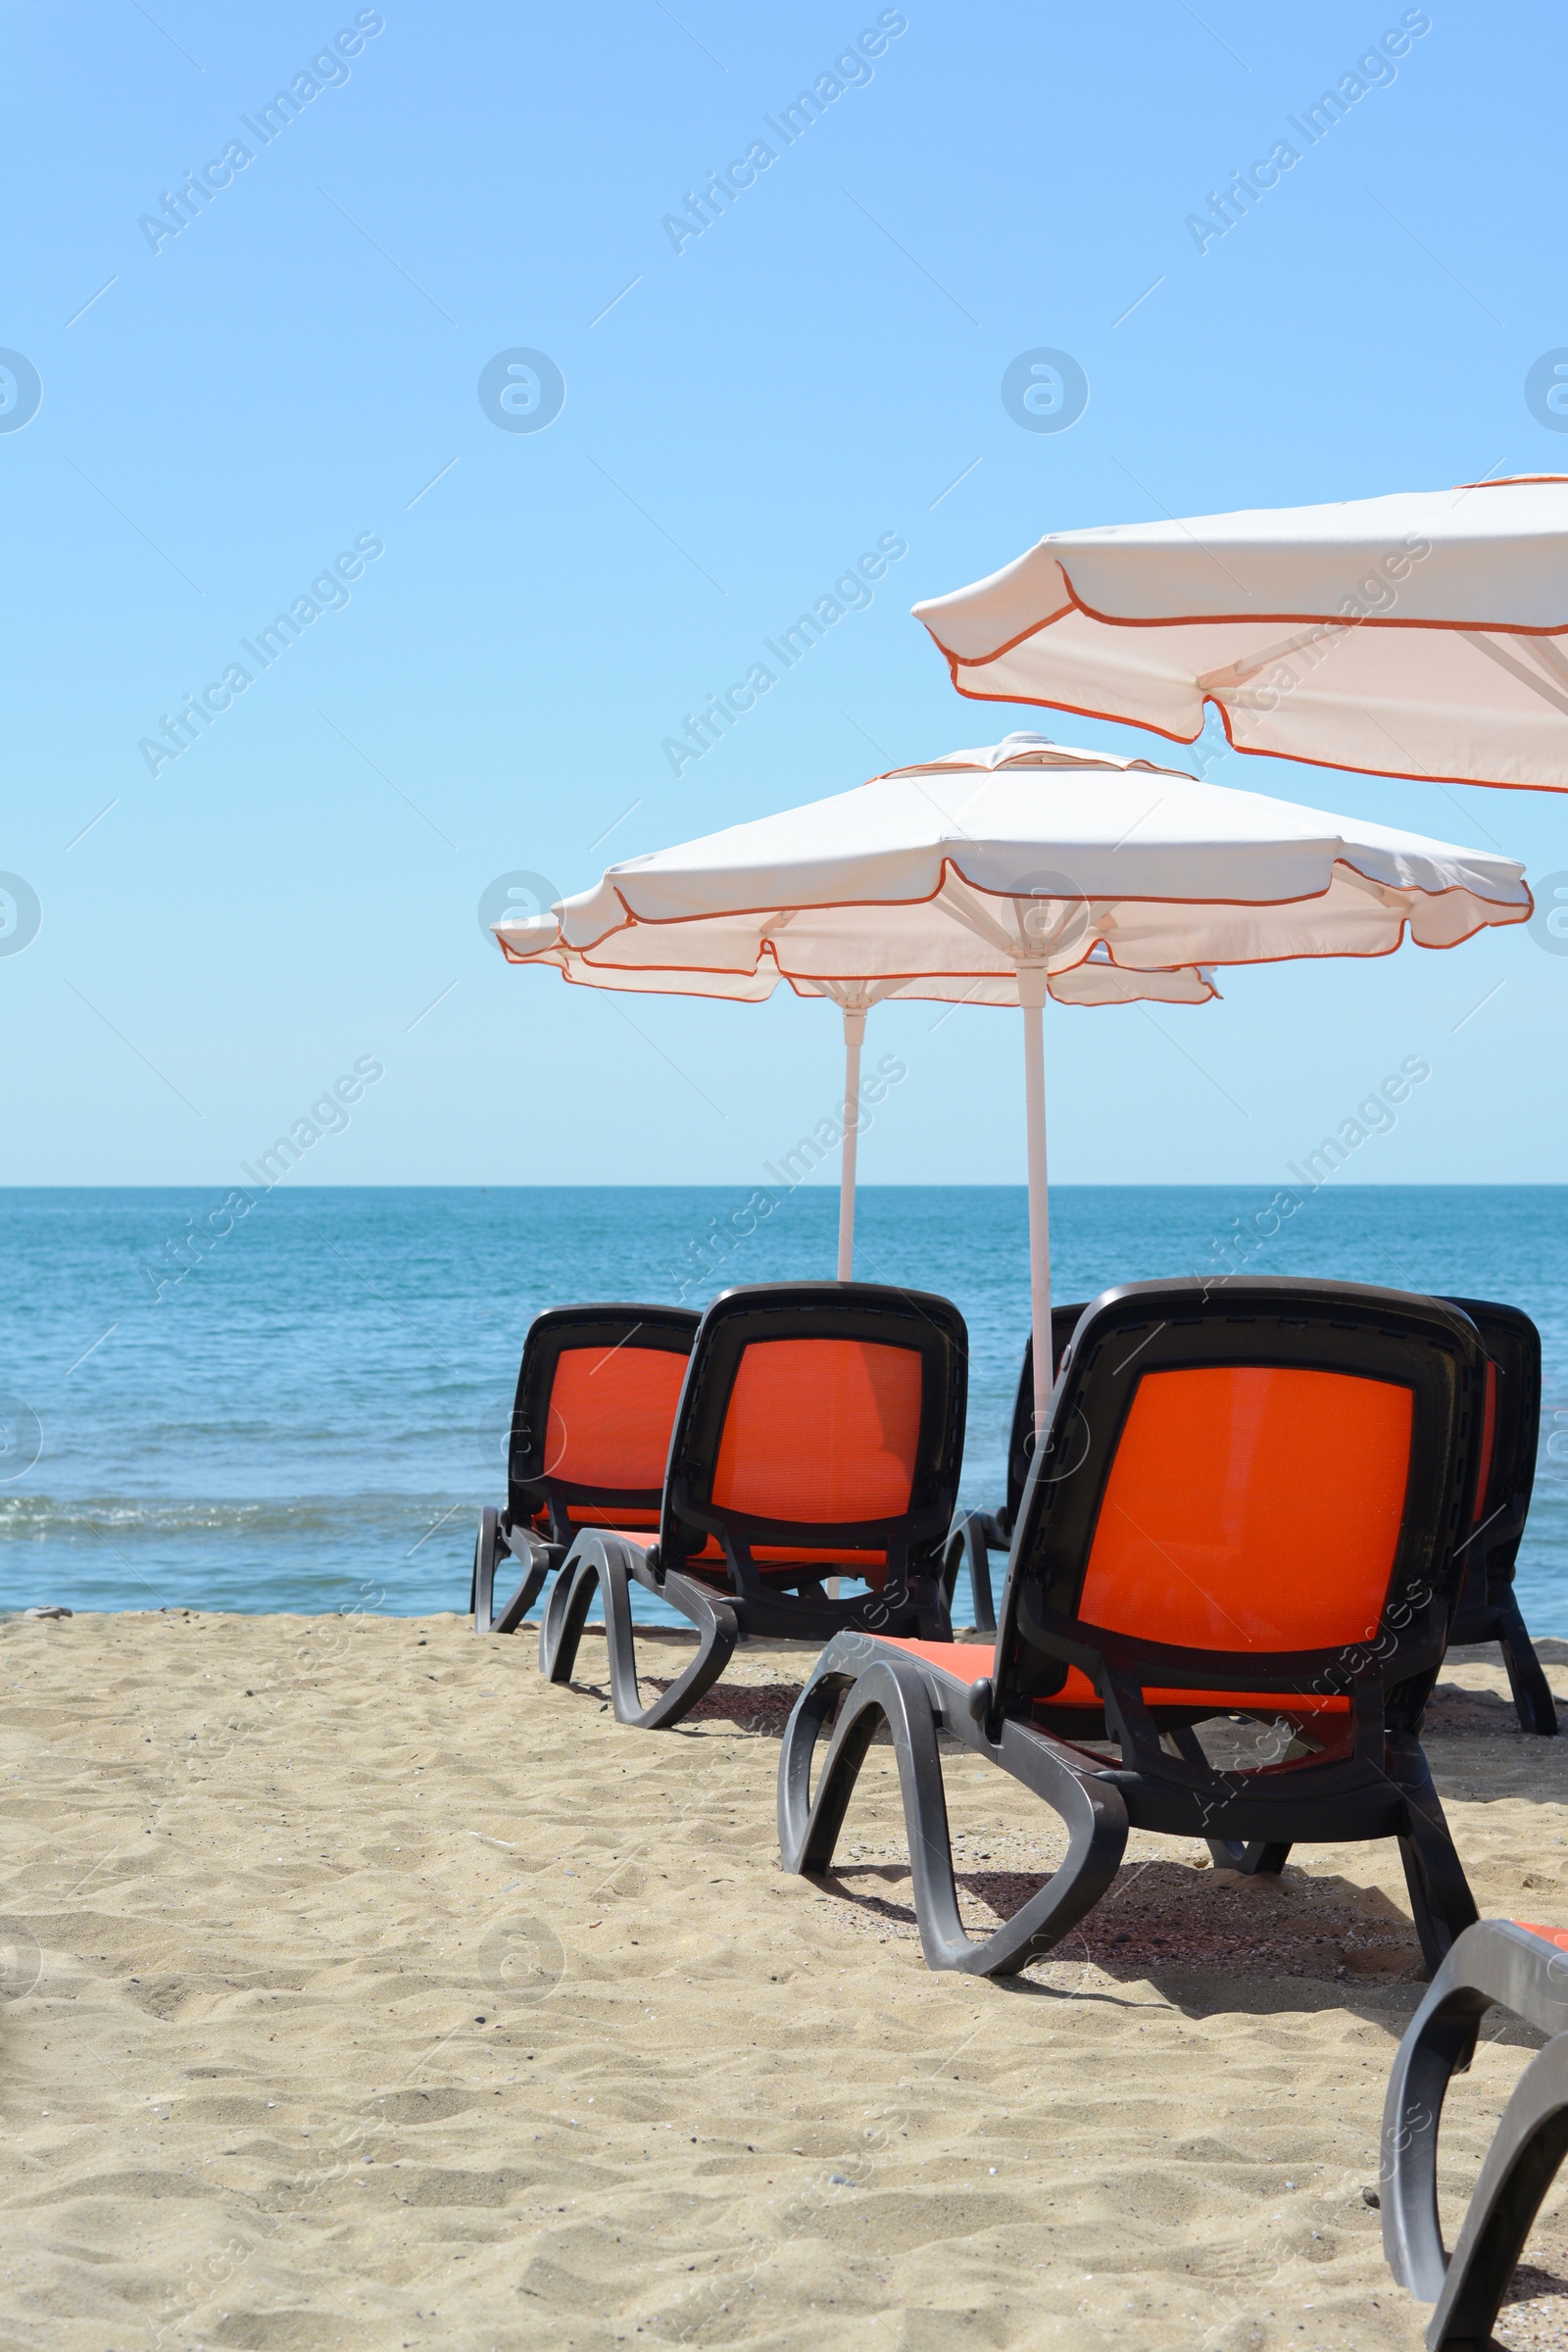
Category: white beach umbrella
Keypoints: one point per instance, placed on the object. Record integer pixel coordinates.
(1001, 876)
(1416, 635)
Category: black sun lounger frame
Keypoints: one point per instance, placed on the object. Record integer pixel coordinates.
(1499, 1961)
(1488, 1607)
(734, 1595)
(1378, 1787)
(536, 1528)
(976, 1534)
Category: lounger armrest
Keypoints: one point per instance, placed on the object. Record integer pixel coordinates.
(525, 1543)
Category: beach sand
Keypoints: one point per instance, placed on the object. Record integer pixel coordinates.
(361, 1990)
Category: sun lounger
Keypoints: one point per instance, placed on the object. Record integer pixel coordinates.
(596, 1399)
(1525, 1969)
(976, 1534)
(820, 1435)
(1488, 1610)
(1247, 1503)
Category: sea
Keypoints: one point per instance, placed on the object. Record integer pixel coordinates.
(307, 1408)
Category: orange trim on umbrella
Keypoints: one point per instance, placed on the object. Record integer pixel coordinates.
(721, 971)
(950, 865)
(1407, 775)
(1135, 970)
(1218, 620)
(1122, 897)
(717, 997)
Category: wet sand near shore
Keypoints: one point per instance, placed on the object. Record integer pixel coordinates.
(358, 1989)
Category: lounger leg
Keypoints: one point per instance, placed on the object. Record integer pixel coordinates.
(717, 1632)
(480, 1626)
(1253, 1857)
(808, 1830)
(1531, 1693)
(490, 1549)
(1436, 2045)
(1440, 1893)
(522, 1600)
(888, 1687)
(604, 1564)
(566, 1611)
(1521, 2165)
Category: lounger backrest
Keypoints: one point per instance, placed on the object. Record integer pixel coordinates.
(1512, 1434)
(819, 1419)
(1282, 1467)
(596, 1402)
(1022, 1439)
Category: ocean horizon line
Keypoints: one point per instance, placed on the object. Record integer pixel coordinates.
(827, 1189)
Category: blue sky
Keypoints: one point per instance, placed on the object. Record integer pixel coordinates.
(294, 378)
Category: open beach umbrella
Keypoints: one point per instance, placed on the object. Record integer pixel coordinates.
(1417, 635)
(1005, 875)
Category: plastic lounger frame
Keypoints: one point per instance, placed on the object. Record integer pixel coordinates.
(534, 1558)
(1488, 1607)
(610, 1565)
(1525, 1969)
(705, 1564)
(538, 1525)
(976, 1534)
(1377, 1785)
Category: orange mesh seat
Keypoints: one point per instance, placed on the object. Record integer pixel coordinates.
(612, 1410)
(609, 1418)
(1556, 1935)
(965, 1661)
(1223, 1523)
(821, 1430)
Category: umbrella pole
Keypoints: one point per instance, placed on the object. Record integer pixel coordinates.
(1032, 997)
(853, 1036)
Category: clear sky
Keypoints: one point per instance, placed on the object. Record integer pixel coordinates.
(522, 616)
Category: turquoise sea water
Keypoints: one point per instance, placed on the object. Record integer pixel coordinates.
(310, 1416)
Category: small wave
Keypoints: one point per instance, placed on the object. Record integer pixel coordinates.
(129, 1518)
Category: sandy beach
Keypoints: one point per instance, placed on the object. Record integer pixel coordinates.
(362, 1991)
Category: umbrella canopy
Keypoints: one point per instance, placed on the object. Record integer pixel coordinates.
(1416, 635)
(1003, 875)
